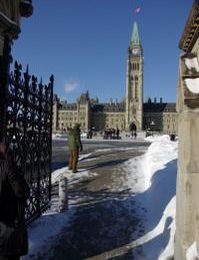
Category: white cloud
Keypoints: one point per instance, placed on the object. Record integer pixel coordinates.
(71, 86)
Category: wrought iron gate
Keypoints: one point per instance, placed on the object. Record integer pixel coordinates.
(29, 133)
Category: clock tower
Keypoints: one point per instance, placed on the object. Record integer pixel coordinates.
(134, 82)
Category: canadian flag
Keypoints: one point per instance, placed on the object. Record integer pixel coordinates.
(137, 9)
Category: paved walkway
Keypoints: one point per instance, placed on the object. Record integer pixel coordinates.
(106, 215)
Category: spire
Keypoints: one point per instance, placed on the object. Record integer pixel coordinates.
(135, 39)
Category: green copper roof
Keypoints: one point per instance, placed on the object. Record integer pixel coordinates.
(135, 39)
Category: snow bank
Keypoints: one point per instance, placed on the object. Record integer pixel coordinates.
(159, 153)
(158, 242)
(159, 229)
(169, 212)
(151, 178)
(138, 172)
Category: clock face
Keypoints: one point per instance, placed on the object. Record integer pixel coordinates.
(135, 51)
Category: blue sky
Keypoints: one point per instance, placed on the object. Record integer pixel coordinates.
(84, 44)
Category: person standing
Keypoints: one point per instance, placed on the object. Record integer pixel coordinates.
(14, 192)
(75, 146)
(118, 133)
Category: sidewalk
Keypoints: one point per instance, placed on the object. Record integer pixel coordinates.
(97, 197)
(121, 206)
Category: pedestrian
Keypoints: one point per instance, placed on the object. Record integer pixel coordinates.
(14, 192)
(117, 132)
(75, 146)
(90, 134)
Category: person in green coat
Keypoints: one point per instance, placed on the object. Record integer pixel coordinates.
(75, 146)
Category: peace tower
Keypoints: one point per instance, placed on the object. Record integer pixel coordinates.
(134, 82)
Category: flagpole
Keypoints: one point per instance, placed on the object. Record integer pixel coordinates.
(137, 11)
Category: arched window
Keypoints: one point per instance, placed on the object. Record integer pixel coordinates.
(136, 87)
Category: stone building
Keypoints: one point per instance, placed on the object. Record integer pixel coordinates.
(66, 115)
(10, 15)
(88, 114)
(11, 12)
(161, 117)
(157, 116)
(108, 115)
(187, 208)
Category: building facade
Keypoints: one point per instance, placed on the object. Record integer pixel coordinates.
(11, 12)
(156, 116)
(10, 16)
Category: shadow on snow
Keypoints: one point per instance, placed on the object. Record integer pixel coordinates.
(111, 220)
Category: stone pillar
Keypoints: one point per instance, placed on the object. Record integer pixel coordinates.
(187, 216)
(187, 208)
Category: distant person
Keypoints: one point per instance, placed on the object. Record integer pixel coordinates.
(14, 192)
(90, 134)
(113, 133)
(117, 133)
(75, 146)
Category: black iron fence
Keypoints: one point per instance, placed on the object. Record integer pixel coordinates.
(29, 133)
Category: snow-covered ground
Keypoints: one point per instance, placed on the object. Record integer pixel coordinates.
(154, 189)
(125, 137)
(152, 178)
(158, 187)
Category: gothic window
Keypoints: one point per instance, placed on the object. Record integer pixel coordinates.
(136, 87)
(136, 90)
(133, 110)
